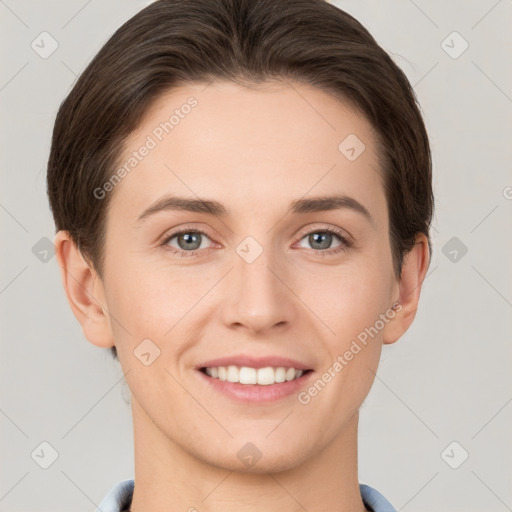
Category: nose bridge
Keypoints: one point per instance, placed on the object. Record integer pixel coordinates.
(259, 298)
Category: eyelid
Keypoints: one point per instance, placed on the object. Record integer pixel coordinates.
(320, 228)
(346, 241)
(173, 232)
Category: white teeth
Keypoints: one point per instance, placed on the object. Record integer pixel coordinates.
(267, 376)
(262, 376)
(280, 374)
(248, 375)
(233, 374)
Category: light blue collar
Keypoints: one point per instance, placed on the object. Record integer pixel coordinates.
(119, 498)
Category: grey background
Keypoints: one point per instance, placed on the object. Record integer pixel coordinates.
(447, 380)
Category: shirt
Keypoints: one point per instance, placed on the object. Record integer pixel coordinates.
(119, 498)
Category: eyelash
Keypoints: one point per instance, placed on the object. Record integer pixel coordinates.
(344, 246)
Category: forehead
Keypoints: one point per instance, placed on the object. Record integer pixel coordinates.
(248, 146)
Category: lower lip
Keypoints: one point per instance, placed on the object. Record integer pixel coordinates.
(254, 392)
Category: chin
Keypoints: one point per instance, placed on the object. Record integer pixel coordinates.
(246, 457)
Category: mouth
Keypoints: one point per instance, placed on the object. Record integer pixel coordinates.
(247, 375)
(255, 379)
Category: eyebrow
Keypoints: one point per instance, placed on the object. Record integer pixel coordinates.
(299, 206)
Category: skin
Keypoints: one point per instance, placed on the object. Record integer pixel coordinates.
(254, 149)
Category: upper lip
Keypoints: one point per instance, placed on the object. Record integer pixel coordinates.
(255, 362)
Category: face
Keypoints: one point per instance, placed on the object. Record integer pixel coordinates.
(262, 277)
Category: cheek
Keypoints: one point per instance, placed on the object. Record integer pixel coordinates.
(148, 296)
(351, 305)
(348, 298)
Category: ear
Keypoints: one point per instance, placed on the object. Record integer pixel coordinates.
(84, 290)
(414, 270)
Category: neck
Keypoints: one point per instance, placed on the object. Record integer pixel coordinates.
(168, 478)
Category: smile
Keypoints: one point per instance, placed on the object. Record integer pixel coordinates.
(261, 376)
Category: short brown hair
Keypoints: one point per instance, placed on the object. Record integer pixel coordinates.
(175, 42)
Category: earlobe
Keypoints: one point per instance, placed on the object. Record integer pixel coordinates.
(84, 291)
(414, 270)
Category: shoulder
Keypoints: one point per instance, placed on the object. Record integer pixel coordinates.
(119, 498)
(374, 500)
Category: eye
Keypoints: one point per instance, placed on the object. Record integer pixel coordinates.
(321, 239)
(188, 241)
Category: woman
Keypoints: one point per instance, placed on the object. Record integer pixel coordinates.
(242, 196)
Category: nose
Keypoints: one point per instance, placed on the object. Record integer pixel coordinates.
(259, 296)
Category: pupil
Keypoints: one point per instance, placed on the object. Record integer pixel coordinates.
(324, 236)
(190, 239)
